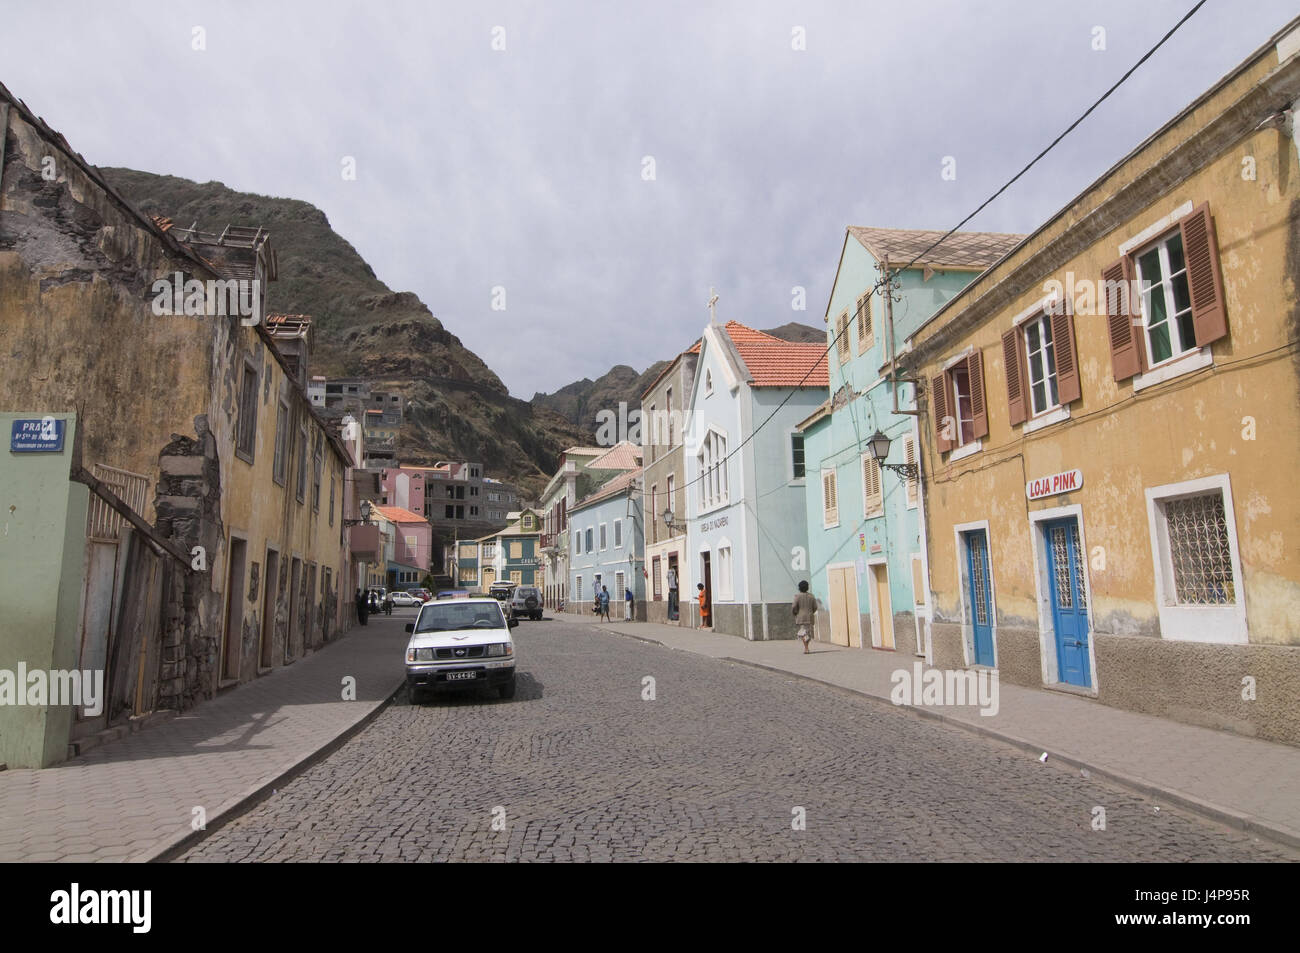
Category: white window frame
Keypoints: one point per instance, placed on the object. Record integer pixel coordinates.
(712, 461)
(604, 536)
(1051, 378)
(911, 485)
(668, 403)
(955, 396)
(618, 533)
(1193, 360)
(828, 523)
(654, 434)
(789, 457)
(708, 381)
(868, 510)
(1161, 245)
(843, 339)
(1212, 624)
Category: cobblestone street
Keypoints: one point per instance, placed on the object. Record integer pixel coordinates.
(720, 765)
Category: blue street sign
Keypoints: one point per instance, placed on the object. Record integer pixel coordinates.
(37, 436)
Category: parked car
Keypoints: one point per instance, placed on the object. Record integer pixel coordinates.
(460, 643)
(527, 600)
(404, 599)
(502, 591)
(424, 595)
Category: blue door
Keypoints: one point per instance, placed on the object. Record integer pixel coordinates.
(1069, 602)
(981, 605)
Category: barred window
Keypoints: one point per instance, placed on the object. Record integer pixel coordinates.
(1200, 551)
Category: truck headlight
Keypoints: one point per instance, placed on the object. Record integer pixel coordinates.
(500, 648)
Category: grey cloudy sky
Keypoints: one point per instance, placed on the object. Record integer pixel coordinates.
(523, 167)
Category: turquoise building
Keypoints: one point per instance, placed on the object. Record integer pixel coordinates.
(867, 561)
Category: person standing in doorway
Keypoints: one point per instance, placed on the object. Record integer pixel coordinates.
(363, 610)
(805, 614)
(672, 595)
(704, 605)
(628, 597)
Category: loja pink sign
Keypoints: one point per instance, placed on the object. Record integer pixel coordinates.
(1054, 484)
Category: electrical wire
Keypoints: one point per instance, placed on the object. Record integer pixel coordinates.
(888, 278)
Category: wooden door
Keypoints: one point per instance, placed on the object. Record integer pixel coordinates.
(841, 625)
(884, 608)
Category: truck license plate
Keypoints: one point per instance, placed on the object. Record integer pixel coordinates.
(458, 676)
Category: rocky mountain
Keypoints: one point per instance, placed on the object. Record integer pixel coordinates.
(579, 402)
(798, 333)
(460, 409)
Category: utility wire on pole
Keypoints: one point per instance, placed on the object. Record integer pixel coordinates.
(884, 280)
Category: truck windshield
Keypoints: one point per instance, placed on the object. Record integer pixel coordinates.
(452, 616)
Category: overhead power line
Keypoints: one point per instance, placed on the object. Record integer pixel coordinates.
(887, 279)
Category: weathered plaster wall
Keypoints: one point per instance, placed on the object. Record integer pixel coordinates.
(1125, 442)
(1184, 429)
(266, 513)
(76, 311)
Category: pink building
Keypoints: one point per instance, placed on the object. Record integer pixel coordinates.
(412, 546)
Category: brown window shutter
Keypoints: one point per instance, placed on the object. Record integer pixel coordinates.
(939, 407)
(1015, 368)
(842, 338)
(1067, 365)
(1125, 339)
(979, 413)
(1205, 281)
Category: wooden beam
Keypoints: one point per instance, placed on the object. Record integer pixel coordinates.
(159, 545)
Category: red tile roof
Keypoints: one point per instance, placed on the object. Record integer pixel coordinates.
(776, 363)
(398, 514)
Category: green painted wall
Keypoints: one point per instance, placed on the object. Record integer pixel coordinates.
(42, 554)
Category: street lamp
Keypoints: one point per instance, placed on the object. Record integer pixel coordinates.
(878, 445)
(668, 518)
(365, 515)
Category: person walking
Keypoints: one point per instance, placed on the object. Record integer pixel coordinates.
(604, 603)
(363, 610)
(388, 603)
(704, 605)
(628, 596)
(805, 613)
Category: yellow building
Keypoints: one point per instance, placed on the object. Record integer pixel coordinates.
(200, 533)
(1113, 412)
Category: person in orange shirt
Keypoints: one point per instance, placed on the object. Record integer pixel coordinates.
(704, 606)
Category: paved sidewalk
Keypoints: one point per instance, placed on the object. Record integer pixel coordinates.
(1250, 784)
(134, 799)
